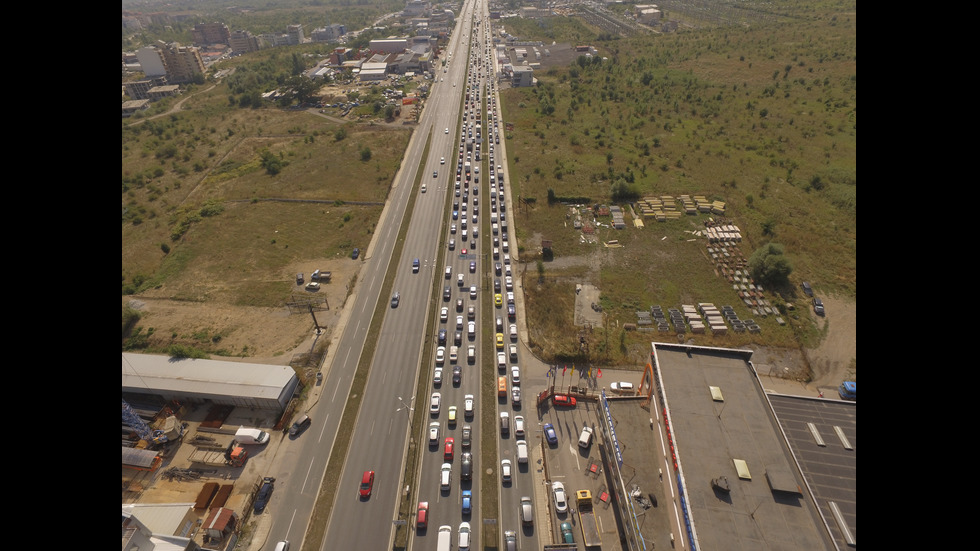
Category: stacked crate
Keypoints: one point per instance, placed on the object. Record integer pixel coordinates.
(688, 205)
(692, 318)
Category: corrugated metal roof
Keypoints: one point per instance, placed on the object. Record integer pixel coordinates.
(160, 518)
(138, 457)
(260, 381)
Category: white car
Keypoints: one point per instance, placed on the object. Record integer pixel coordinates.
(437, 378)
(459, 323)
(447, 130)
(515, 375)
(519, 426)
(561, 500)
(468, 405)
(459, 280)
(472, 329)
(442, 160)
(464, 536)
(505, 469)
(434, 432)
(513, 353)
(513, 331)
(509, 283)
(501, 360)
(444, 314)
(445, 476)
(435, 402)
(622, 387)
(473, 292)
(441, 355)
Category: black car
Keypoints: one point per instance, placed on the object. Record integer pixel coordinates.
(457, 375)
(442, 337)
(395, 299)
(265, 493)
(458, 338)
(818, 306)
(807, 290)
(459, 305)
(511, 312)
(496, 285)
(447, 294)
(356, 253)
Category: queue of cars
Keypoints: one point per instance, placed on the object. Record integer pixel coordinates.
(478, 137)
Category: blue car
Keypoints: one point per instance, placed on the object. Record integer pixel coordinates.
(265, 494)
(549, 434)
(415, 266)
(467, 499)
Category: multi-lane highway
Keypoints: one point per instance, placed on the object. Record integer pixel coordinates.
(381, 431)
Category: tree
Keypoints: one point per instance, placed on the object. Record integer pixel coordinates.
(769, 266)
(366, 154)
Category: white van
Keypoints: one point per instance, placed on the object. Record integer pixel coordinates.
(522, 451)
(247, 435)
(445, 541)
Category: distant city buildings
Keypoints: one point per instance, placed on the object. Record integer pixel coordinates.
(330, 33)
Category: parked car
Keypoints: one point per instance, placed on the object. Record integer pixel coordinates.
(807, 290)
(621, 387)
(549, 434)
(561, 499)
(818, 306)
(355, 253)
(566, 533)
(265, 493)
(300, 425)
(563, 400)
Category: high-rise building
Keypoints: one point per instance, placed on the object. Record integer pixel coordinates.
(182, 62)
(295, 34)
(151, 61)
(243, 42)
(210, 33)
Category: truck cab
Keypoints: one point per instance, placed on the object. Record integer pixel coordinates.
(848, 390)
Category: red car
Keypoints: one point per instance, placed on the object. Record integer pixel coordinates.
(448, 454)
(367, 483)
(563, 400)
(422, 516)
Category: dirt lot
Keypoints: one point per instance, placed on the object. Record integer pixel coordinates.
(270, 335)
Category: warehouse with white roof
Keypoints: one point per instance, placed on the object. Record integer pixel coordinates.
(189, 381)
